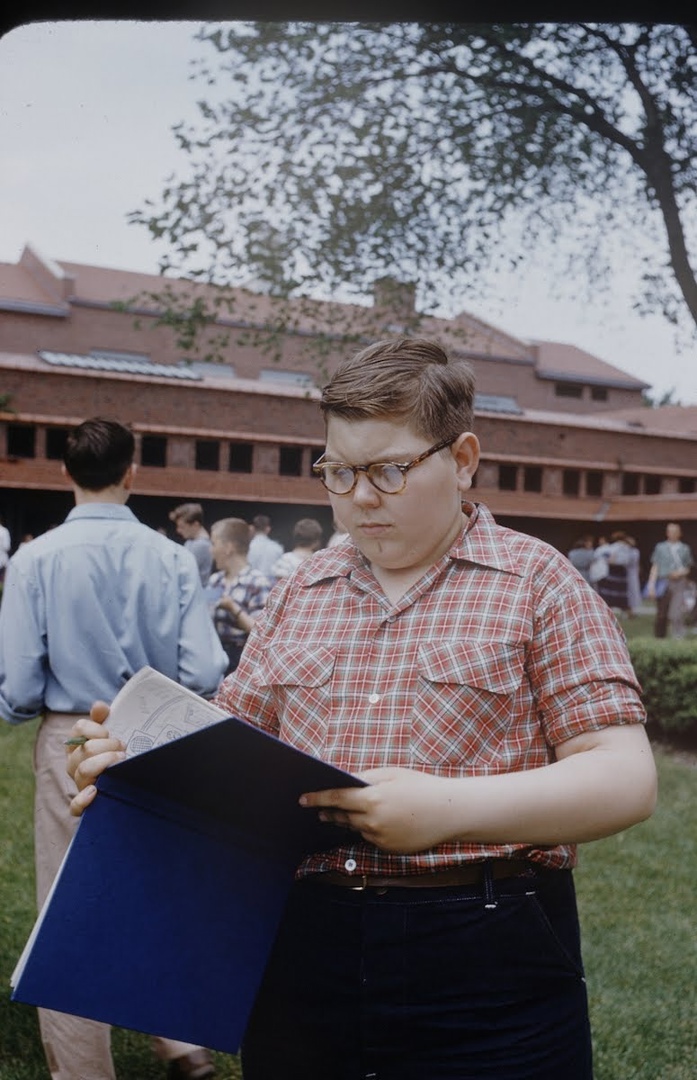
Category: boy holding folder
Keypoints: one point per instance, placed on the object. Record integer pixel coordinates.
(485, 693)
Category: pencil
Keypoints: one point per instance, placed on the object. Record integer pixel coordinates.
(80, 740)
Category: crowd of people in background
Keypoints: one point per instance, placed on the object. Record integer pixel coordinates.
(238, 570)
(239, 562)
(612, 567)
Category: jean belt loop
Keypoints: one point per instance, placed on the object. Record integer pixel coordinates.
(490, 901)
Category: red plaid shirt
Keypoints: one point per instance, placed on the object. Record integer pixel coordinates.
(500, 652)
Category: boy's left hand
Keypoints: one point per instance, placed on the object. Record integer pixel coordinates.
(401, 811)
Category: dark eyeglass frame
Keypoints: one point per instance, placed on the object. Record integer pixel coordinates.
(320, 465)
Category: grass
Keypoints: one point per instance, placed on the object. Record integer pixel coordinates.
(636, 898)
(640, 625)
(636, 901)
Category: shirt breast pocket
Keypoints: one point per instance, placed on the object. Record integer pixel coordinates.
(465, 704)
(300, 680)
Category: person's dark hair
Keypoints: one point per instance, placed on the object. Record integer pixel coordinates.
(234, 531)
(188, 512)
(412, 380)
(307, 533)
(261, 522)
(97, 453)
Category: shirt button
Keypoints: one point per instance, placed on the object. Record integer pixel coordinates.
(373, 699)
(350, 865)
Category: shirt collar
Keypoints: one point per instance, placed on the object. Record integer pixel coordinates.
(338, 561)
(114, 511)
(482, 541)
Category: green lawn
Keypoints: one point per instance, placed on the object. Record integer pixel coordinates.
(639, 626)
(636, 895)
(639, 922)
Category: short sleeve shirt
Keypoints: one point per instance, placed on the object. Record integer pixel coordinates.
(668, 557)
(497, 655)
(249, 590)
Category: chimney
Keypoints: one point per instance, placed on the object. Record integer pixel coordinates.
(396, 298)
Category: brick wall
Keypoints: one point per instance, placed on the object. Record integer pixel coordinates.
(92, 327)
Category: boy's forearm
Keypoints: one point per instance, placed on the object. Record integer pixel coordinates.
(582, 797)
(601, 783)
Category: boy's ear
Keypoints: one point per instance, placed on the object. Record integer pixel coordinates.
(129, 476)
(465, 450)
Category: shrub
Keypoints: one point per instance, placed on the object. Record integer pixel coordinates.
(667, 671)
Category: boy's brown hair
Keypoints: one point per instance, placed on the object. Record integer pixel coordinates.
(408, 379)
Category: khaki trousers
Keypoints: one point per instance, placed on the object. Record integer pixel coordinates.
(76, 1049)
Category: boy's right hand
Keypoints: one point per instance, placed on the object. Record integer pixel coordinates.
(85, 763)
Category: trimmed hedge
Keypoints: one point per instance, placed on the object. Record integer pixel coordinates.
(667, 671)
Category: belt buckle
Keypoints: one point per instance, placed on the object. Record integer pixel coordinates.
(363, 885)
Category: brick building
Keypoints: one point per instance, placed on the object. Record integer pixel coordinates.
(567, 445)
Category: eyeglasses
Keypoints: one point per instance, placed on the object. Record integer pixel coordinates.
(389, 477)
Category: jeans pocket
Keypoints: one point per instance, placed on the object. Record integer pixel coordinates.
(556, 919)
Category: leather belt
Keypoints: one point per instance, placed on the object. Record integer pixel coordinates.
(472, 873)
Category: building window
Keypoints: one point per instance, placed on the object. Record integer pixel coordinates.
(594, 483)
(652, 484)
(508, 477)
(21, 440)
(208, 454)
(599, 393)
(240, 457)
(568, 389)
(153, 451)
(571, 481)
(56, 439)
(630, 483)
(686, 485)
(532, 478)
(290, 461)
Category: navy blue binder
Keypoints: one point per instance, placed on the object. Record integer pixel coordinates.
(169, 898)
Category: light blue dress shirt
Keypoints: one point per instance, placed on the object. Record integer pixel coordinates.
(89, 603)
(263, 553)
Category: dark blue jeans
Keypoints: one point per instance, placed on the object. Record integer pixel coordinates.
(463, 983)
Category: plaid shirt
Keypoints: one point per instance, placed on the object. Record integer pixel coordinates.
(500, 652)
(249, 590)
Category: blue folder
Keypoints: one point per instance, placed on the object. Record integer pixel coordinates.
(169, 898)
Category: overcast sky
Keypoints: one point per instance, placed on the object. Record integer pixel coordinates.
(86, 111)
